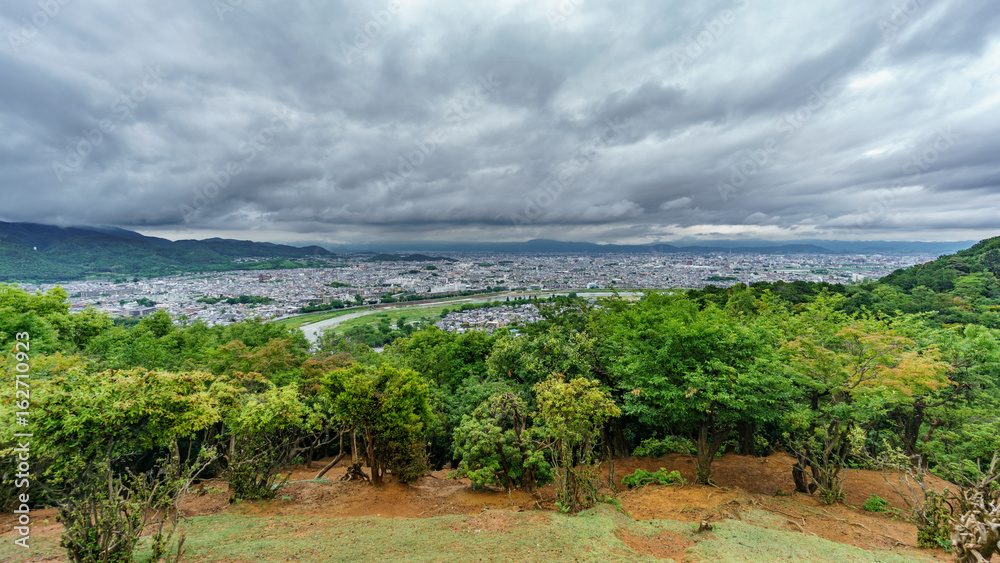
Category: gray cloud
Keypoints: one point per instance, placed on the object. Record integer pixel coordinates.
(416, 119)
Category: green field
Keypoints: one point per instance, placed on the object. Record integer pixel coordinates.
(601, 534)
(413, 311)
(426, 315)
(301, 320)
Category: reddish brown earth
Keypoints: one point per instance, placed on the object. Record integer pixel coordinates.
(742, 484)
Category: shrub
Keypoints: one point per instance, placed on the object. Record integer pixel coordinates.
(875, 503)
(262, 425)
(832, 494)
(390, 409)
(936, 516)
(498, 446)
(656, 447)
(642, 477)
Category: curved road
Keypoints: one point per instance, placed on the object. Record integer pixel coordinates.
(314, 330)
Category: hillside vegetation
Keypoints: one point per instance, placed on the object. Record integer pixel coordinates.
(814, 382)
(42, 253)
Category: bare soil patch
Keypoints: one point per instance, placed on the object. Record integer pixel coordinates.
(665, 545)
(746, 488)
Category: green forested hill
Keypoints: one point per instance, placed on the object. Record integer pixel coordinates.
(44, 253)
(977, 266)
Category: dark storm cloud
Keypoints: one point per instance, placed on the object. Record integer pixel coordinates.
(411, 119)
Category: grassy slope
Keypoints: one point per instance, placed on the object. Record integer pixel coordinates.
(492, 536)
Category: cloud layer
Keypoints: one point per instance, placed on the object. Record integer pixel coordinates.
(572, 119)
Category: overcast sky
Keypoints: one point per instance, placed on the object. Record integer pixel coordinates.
(586, 120)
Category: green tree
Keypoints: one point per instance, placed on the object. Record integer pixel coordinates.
(262, 425)
(573, 413)
(87, 325)
(848, 372)
(455, 367)
(498, 445)
(43, 315)
(390, 408)
(527, 361)
(98, 426)
(159, 324)
(705, 373)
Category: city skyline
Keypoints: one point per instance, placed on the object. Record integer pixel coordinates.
(586, 121)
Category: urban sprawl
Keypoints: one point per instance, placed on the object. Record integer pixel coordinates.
(354, 280)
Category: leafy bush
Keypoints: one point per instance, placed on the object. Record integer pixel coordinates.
(262, 424)
(936, 516)
(656, 447)
(107, 512)
(833, 494)
(573, 413)
(390, 409)
(499, 447)
(642, 477)
(875, 503)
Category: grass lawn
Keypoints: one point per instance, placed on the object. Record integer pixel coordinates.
(601, 534)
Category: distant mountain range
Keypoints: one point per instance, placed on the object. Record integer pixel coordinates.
(692, 246)
(31, 252)
(409, 258)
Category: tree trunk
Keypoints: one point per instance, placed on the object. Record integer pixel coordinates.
(802, 484)
(354, 446)
(175, 455)
(703, 470)
(911, 429)
(746, 439)
(310, 452)
(615, 438)
(330, 465)
(373, 464)
(707, 451)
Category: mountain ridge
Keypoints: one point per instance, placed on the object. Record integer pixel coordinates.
(811, 246)
(46, 253)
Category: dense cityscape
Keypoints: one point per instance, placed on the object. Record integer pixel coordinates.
(355, 280)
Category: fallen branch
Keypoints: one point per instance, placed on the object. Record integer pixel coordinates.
(803, 530)
(330, 465)
(897, 540)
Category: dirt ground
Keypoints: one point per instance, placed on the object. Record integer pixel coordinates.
(743, 484)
